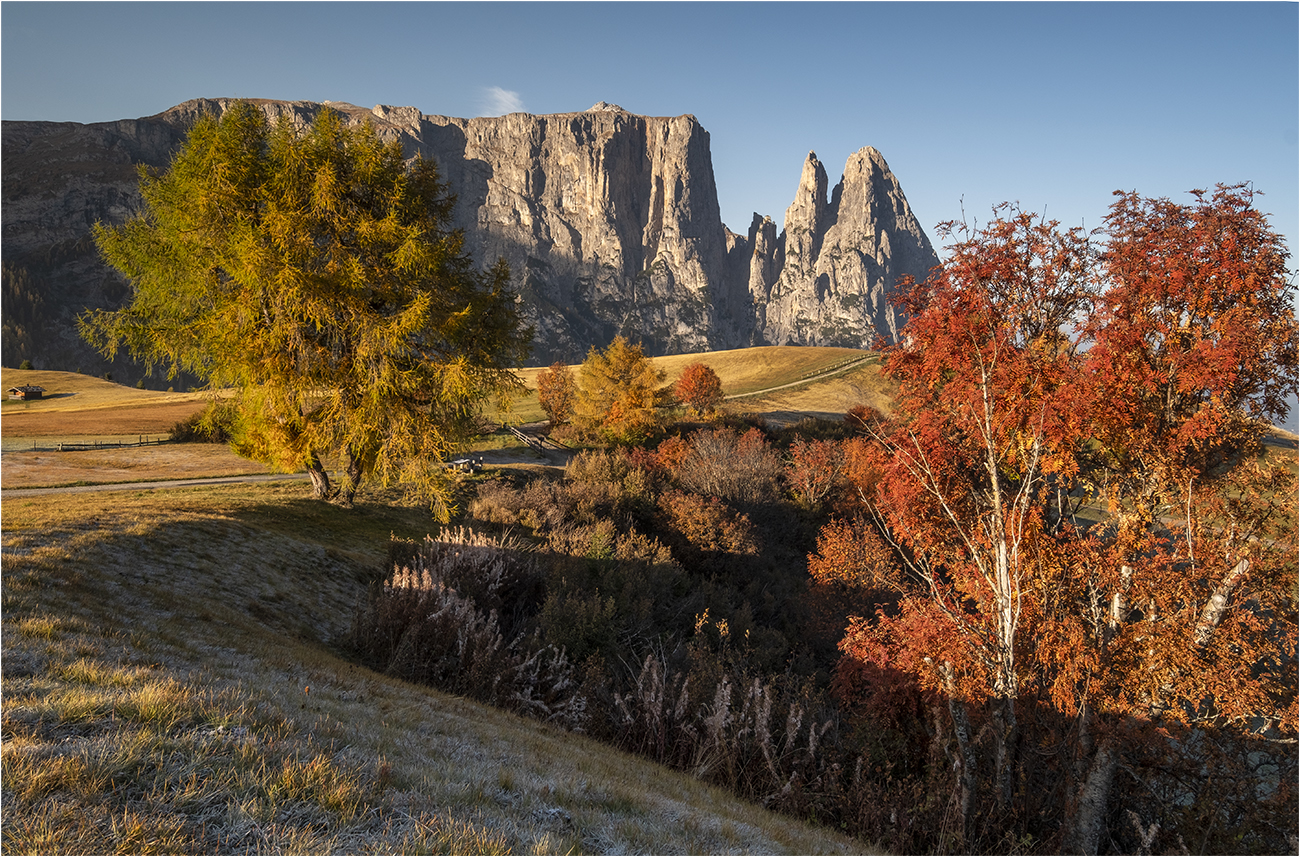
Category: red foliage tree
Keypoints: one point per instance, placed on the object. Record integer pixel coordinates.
(699, 388)
(1195, 346)
(1035, 373)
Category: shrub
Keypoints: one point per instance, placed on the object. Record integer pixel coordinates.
(540, 506)
(815, 471)
(736, 468)
(214, 424)
(863, 419)
(707, 524)
(453, 615)
(581, 623)
(26, 364)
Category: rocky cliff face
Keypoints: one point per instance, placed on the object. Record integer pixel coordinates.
(842, 259)
(609, 221)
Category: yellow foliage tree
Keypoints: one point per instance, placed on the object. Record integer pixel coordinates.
(315, 273)
(620, 393)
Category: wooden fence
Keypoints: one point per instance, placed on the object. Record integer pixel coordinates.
(80, 446)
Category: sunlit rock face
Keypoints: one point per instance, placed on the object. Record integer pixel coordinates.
(609, 221)
(843, 258)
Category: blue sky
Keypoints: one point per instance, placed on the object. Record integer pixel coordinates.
(1053, 105)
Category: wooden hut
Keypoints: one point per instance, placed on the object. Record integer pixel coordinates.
(26, 392)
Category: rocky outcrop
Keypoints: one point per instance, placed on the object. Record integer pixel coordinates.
(609, 221)
(843, 258)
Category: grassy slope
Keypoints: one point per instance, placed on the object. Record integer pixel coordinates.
(170, 685)
(81, 406)
(78, 405)
(742, 371)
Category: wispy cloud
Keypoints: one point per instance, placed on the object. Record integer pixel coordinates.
(496, 101)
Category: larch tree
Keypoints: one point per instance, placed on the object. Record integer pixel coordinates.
(557, 393)
(620, 392)
(314, 273)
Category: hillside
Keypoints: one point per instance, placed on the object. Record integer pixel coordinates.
(800, 381)
(171, 684)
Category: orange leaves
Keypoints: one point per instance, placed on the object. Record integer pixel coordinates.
(707, 524)
(699, 388)
(815, 470)
(1195, 332)
(852, 552)
(619, 393)
(557, 392)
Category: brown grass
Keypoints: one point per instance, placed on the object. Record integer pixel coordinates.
(742, 371)
(171, 684)
(76, 404)
(831, 397)
(154, 420)
(27, 469)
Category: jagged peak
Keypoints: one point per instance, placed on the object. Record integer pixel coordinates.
(605, 107)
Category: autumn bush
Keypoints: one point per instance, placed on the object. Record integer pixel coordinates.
(816, 470)
(707, 525)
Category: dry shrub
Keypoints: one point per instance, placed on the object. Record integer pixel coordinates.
(739, 468)
(540, 506)
(708, 525)
(816, 469)
(757, 737)
(864, 419)
(453, 614)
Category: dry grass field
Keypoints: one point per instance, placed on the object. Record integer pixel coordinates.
(172, 683)
(81, 408)
(743, 372)
(76, 404)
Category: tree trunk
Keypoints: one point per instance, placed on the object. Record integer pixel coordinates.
(1007, 736)
(961, 728)
(320, 480)
(1085, 832)
(351, 481)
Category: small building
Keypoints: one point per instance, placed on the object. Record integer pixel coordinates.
(26, 392)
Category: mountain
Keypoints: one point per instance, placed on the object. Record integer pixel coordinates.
(609, 220)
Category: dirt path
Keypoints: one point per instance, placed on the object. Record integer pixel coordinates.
(33, 474)
(821, 376)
